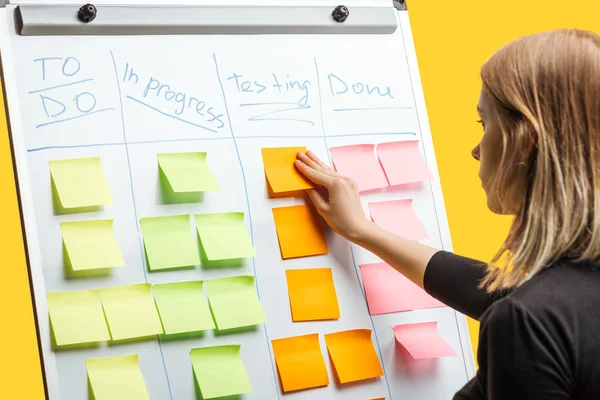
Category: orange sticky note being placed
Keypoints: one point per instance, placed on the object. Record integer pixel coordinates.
(282, 175)
(353, 355)
(312, 294)
(299, 231)
(300, 362)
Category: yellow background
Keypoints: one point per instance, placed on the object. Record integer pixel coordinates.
(453, 39)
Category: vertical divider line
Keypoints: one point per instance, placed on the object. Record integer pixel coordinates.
(350, 245)
(137, 222)
(249, 213)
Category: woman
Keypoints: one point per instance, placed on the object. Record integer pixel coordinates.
(539, 161)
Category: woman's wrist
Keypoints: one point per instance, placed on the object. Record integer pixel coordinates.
(363, 233)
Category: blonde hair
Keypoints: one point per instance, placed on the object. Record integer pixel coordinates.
(545, 94)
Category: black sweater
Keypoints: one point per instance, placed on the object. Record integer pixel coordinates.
(540, 340)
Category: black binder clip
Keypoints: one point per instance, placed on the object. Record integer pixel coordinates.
(400, 5)
(340, 13)
(87, 13)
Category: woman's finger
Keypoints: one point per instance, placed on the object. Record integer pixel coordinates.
(320, 204)
(331, 172)
(308, 161)
(316, 163)
(316, 176)
(316, 159)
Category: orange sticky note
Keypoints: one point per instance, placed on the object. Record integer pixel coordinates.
(312, 294)
(300, 362)
(299, 231)
(353, 355)
(282, 175)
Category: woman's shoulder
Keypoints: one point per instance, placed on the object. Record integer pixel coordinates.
(560, 305)
(560, 287)
(550, 322)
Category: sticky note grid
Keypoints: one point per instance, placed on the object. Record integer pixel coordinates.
(144, 310)
(230, 305)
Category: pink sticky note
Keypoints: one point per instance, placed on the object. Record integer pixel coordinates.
(389, 291)
(422, 340)
(398, 217)
(403, 162)
(359, 163)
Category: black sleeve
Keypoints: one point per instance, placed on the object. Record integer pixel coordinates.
(454, 281)
(518, 357)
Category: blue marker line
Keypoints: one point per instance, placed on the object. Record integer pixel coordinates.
(254, 119)
(169, 115)
(215, 138)
(371, 108)
(249, 213)
(72, 118)
(60, 86)
(371, 134)
(321, 110)
(274, 103)
(74, 146)
(179, 140)
(351, 252)
(260, 117)
(137, 226)
(280, 137)
(372, 323)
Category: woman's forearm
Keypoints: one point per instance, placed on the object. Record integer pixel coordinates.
(408, 257)
(452, 279)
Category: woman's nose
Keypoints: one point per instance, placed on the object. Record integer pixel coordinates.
(475, 153)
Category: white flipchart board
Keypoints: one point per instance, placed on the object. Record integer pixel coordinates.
(127, 130)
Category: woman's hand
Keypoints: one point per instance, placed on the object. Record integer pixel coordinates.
(340, 207)
(339, 204)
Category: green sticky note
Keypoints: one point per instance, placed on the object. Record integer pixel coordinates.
(90, 245)
(234, 302)
(187, 172)
(130, 311)
(224, 236)
(116, 378)
(219, 371)
(76, 317)
(182, 307)
(80, 182)
(169, 242)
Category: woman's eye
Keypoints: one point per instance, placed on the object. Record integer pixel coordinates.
(481, 122)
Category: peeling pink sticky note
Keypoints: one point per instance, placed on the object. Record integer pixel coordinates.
(359, 163)
(403, 162)
(422, 340)
(398, 217)
(388, 291)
